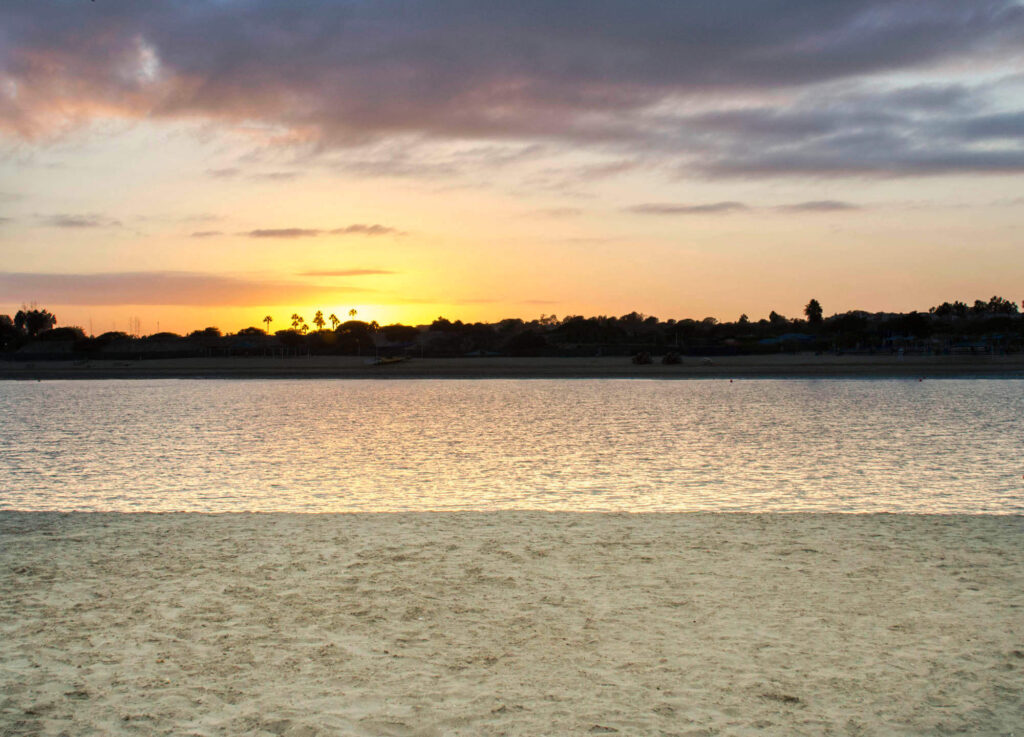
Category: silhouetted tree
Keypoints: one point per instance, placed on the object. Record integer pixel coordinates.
(299, 323)
(401, 333)
(335, 322)
(34, 321)
(527, 343)
(353, 312)
(72, 333)
(318, 320)
(268, 319)
(813, 312)
(8, 333)
(1000, 306)
(776, 319)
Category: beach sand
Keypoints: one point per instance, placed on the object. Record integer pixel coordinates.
(510, 623)
(780, 365)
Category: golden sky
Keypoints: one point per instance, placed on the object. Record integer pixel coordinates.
(211, 163)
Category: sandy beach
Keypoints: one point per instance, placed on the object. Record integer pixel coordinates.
(510, 624)
(805, 365)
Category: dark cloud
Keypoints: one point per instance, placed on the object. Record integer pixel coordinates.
(162, 288)
(348, 272)
(206, 233)
(819, 206)
(861, 158)
(64, 220)
(915, 131)
(1004, 125)
(344, 74)
(668, 208)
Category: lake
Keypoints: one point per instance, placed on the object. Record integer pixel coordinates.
(949, 446)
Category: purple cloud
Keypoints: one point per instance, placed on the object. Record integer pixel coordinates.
(163, 288)
(343, 74)
(357, 229)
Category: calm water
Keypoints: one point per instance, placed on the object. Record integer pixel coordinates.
(320, 445)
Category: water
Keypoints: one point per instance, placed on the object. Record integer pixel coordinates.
(587, 445)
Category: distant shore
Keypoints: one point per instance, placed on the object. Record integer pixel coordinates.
(509, 623)
(618, 367)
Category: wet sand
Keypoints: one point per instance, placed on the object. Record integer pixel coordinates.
(510, 623)
(352, 367)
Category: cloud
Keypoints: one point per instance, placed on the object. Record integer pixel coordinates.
(348, 272)
(64, 220)
(819, 206)
(668, 208)
(558, 212)
(753, 89)
(590, 240)
(233, 172)
(356, 229)
(987, 127)
(227, 173)
(856, 131)
(360, 229)
(163, 288)
(206, 233)
(276, 176)
(283, 233)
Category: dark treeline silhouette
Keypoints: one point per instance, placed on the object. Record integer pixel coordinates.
(984, 327)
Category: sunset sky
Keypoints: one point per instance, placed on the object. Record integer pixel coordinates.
(197, 163)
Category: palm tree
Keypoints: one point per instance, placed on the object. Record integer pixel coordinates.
(318, 320)
(813, 311)
(352, 313)
(335, 322)
(299, 323)
(268, 319)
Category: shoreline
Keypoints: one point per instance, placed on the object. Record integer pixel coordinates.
(351, 367)
(509, 623)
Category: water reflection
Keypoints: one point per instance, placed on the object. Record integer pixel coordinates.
(828, 445)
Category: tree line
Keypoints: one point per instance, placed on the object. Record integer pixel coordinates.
(995, 324)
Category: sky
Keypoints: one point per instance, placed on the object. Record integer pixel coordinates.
(213, 162)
